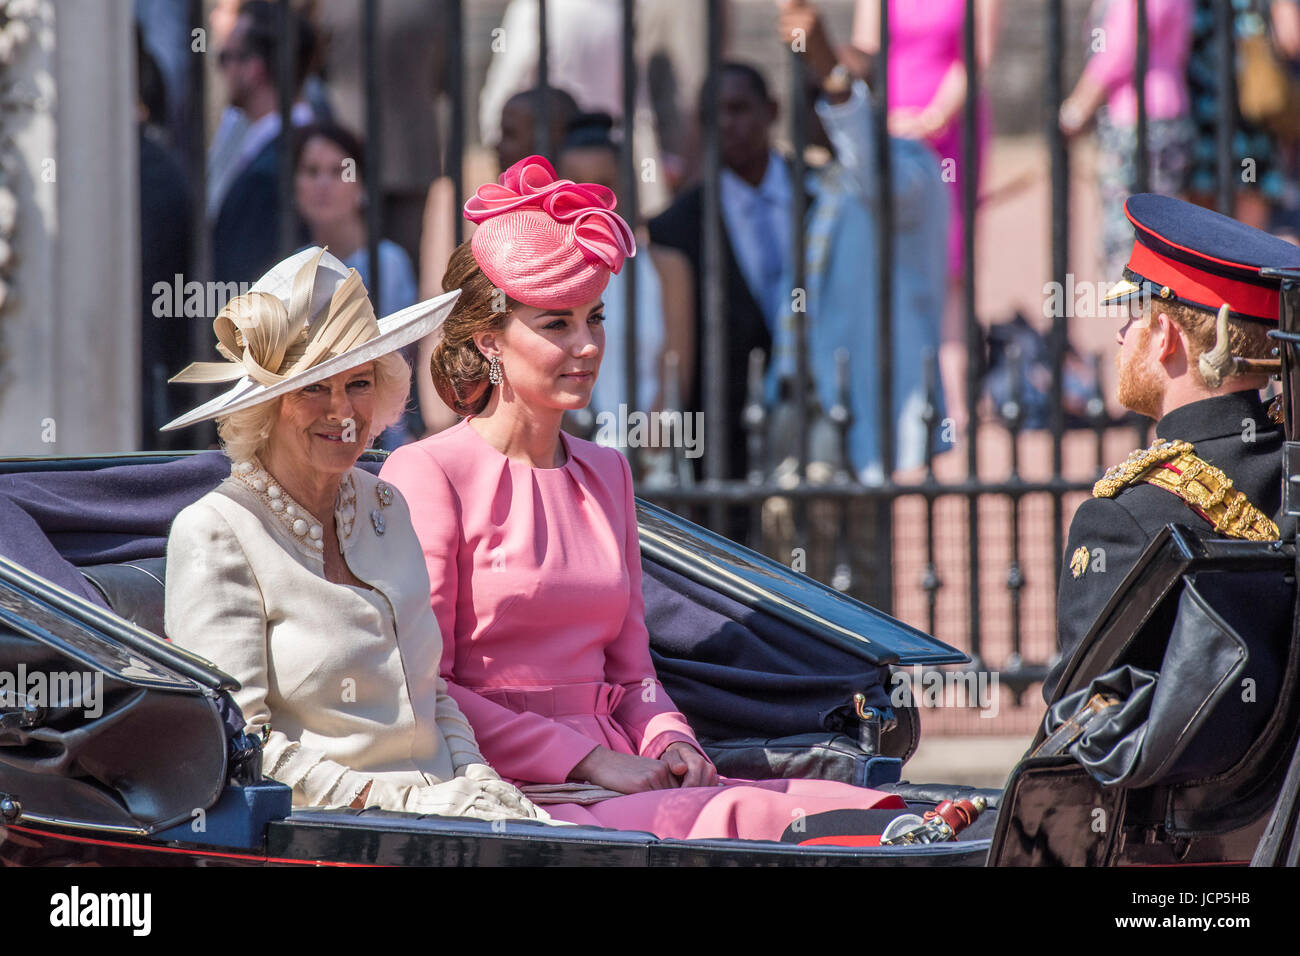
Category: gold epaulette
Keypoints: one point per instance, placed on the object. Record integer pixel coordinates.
(1173, 466)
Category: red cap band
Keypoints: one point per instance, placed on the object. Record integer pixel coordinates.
(1205, 288)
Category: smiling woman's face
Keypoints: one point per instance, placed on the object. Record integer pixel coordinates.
(550, 358)
(312, 433)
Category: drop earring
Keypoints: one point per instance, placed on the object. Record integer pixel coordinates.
(494, 371)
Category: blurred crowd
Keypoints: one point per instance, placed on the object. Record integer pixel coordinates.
(577, 121)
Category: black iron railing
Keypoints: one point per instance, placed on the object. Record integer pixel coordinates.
(858, 556)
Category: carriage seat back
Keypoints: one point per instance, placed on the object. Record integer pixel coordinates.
(135, 590)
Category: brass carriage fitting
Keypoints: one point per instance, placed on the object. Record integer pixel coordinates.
(11, 809)
(870, 714)
(869, 724)
(861, 709)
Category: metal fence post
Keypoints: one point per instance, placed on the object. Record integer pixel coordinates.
(974, 335)
(1226, 89)
(630, 203)
(543, 120)
(1142, 163)
(374, 148)
(1060, 188)
(455, 20)
(885, 250)
(201, 264)
(287, 67)
(716, 463)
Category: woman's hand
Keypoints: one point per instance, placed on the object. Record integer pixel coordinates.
(800, 25)
(498, 792)
(485, 799)
(1080, 106)
(689, 766)
(1073, 117)
(623, 773)
(907, 122)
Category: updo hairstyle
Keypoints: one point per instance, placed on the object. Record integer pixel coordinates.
(458, 368)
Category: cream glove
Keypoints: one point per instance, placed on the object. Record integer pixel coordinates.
(487, 799)
(509, 795)
(477, 771)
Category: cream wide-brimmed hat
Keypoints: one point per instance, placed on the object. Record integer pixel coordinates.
(307, 319)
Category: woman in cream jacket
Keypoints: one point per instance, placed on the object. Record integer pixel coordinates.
(300, 575)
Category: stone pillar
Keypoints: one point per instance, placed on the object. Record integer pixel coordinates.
(69, 334)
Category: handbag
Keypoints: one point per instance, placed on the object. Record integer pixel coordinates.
(1267, 92)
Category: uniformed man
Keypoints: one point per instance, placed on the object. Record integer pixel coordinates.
(1194, 356)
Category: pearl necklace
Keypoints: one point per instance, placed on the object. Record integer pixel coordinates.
(296, 519)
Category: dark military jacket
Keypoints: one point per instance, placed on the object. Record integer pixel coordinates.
(1231, 432)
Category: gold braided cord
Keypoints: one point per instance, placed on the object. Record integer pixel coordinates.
(1210, 490)
(1197, 482)
(261, 338)
(1130, 469)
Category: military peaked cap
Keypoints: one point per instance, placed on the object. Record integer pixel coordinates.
(1195, 256)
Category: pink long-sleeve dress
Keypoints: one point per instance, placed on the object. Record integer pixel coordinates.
(536, 583)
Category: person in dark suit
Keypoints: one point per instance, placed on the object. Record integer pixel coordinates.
(1193, 356)
(755, 190)
(246, 231)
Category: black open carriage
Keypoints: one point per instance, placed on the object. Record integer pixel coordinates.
(161, 774)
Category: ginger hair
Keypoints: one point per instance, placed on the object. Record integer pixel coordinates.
(1246, 339)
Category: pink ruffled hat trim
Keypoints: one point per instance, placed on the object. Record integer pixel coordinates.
(547, 242)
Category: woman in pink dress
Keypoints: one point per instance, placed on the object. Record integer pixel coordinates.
(927, 97)
(530, 538)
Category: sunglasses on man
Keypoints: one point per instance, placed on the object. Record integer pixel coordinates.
(228, 56)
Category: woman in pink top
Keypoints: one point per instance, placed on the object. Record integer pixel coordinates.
(530, 538)
(1107, 90)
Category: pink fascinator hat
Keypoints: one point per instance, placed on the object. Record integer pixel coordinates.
(546, 242)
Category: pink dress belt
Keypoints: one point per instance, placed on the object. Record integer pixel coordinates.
(583, 699)
(586, 707)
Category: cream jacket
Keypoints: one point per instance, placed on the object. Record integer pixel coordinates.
(345, 678)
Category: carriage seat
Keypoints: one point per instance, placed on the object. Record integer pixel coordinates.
(135, 590)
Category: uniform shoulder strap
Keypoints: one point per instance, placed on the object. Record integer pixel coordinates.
(1175, 467)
